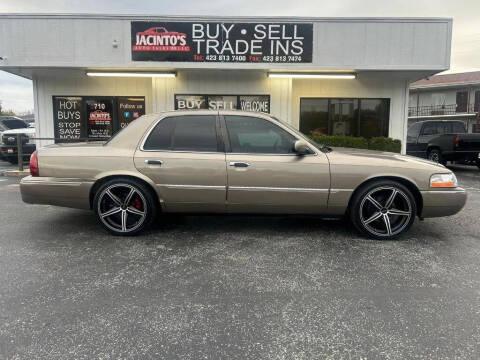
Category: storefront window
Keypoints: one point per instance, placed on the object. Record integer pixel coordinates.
(77, 118)
(372, 117)
(352, 117)
(343, 113)
(314, 116)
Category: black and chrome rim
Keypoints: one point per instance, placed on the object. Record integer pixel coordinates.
(122, 207)
(385, 211)
(434, 156)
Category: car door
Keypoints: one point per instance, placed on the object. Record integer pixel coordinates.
(264, 173)
(412, 139)
(184, 156)
(429, 131)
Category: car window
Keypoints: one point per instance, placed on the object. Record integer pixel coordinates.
(431, 129)
(459, 128)
(413, 132)
(184, 133)
(255, 135)
(15, 124)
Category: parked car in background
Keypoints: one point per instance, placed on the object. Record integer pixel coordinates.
(236, 162)
(10, 128)
(442, 141)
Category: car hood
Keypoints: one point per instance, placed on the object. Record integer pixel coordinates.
(362, 156)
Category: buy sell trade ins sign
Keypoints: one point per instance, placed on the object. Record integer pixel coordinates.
(222, 42)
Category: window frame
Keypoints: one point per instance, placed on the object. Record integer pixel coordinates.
(385, 123)
(220, 142)
(228, 148)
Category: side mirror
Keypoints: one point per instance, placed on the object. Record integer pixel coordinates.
(301, 147)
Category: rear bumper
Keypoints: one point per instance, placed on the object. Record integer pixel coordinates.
(74, 193)
(443, 202)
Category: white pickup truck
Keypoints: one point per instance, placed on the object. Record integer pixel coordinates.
(10, 127)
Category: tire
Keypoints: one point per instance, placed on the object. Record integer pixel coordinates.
(379, 216)
(435, 155)
(121, 218)
(478, 163)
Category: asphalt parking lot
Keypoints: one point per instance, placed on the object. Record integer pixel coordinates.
(231, 287)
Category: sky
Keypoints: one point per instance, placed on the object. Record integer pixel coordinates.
(17, 94)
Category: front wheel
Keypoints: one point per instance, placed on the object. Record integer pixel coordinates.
(435, 155)
(124, 207)
(383, 209)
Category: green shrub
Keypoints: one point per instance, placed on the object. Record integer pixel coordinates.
(385, 144)
(342, 141)
(375, 143)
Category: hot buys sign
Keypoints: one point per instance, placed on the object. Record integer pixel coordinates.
(222, 42)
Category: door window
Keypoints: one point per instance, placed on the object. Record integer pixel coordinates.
(255, 135)
(184, 133)
(413, 132)
(431, 129)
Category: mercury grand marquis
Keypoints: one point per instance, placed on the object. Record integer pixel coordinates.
(236, 162)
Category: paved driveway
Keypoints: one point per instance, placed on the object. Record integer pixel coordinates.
(237, 287)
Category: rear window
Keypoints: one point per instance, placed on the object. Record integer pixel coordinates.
(184, 133)
(15, 124)
(458, 128)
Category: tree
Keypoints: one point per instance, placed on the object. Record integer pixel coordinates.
(6, 112)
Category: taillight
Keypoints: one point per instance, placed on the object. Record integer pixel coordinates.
(457, 141)
(34, 164)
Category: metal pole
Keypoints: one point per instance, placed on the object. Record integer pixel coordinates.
(20, 152)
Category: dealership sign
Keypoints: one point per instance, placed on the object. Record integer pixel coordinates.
(260, 103)
(222, 42)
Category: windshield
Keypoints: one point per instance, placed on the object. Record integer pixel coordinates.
(15, 124)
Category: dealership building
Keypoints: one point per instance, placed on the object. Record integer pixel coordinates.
(93, 74)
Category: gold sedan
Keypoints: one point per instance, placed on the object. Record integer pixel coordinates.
(236, 162)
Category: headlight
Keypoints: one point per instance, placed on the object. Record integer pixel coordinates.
(443, 180)
(31, 138)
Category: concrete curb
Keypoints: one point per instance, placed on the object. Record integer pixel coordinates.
(16, 173)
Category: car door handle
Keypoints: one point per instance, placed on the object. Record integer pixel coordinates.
(153, 162)
(239, 164)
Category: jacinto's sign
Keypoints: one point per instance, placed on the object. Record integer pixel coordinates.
(222, 42)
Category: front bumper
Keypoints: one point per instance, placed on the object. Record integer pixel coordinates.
(74, 193)
(10, 151)
(443, 202)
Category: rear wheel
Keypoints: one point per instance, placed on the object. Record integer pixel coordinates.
(383, 209)
(124, 206)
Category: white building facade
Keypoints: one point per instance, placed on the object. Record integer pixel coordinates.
(330, 75)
